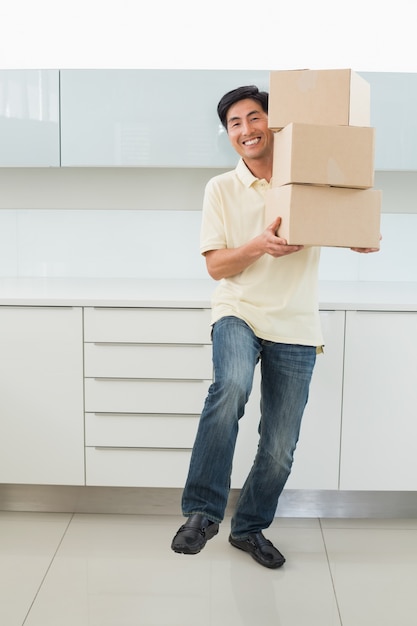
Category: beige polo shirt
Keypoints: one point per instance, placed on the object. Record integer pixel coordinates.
(276, 297)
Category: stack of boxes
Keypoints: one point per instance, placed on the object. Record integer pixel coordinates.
(323, 167)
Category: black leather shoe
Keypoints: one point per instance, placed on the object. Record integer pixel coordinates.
(260, 549)
(194, 534)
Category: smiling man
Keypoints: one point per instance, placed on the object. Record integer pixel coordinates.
(264, 309)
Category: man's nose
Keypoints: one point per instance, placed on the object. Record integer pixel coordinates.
(247, 128)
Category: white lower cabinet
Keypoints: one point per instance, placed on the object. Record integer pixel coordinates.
(147, 372)
(316, 460)
(41, 398)
(379, 431)
(145, 388)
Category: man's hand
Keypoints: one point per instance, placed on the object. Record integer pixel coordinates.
(274, 245)
(227, 262)
(367, 250)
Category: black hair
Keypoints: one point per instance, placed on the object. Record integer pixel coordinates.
(241, 93)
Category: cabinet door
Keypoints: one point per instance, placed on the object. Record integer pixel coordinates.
(150, 118)
(29, 118)
(316, 461)
(393, 114)
(41, 399)
(379, 402)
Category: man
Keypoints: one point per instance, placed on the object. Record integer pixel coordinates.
(265, 308)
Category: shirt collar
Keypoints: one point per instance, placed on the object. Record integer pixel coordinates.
(245, 175)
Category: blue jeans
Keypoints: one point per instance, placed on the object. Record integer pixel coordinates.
(286, 372)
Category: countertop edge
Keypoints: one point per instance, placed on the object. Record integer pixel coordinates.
(189, 293)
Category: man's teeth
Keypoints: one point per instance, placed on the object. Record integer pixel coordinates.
(251, 142)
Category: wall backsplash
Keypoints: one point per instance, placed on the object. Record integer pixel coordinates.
(161, 189)
(142, 244)
(145, 223)
(164, 244)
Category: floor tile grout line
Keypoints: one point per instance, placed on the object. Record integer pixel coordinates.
(47, 569)
(330, 571)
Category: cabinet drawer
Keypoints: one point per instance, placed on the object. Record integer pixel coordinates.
(138, 430)
(149, 361)
(104, 395)
(147, 325)
(136, 467)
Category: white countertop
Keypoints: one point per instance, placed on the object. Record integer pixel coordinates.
(120, 292)
(131, 292)
(368, 296)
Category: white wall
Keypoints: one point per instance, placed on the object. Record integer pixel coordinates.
(125, 223)
(42, 231)
(236, 34)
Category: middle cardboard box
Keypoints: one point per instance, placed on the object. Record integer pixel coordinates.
(340, 156)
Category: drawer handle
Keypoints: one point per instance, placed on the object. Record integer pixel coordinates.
(141, 343)
(150, 415)
(147, 380)
(152, 308)
(142, 449)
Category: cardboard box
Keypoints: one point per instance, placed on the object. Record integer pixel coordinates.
(326, 216)
(342, 156)
(329, 97)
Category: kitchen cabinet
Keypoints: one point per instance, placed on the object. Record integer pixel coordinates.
(29, 118)
(393, 114)
(147, 372)
(120, 381)
(378, 449)
(316, 459)
(148, 118)
(161, 118)
(41, 399)
(167, 118)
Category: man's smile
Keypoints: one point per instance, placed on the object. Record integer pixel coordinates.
(251, 142)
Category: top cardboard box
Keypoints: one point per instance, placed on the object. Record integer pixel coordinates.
(328, 97)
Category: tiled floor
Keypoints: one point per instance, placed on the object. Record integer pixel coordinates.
(118, 570)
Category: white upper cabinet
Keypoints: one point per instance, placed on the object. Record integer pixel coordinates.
(393, 115)
(162, 118)
(149, 118)
(167, 118)
(29, 118)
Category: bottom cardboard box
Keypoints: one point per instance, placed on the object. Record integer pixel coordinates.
(326, 216)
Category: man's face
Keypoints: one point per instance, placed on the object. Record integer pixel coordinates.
(247, 127)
